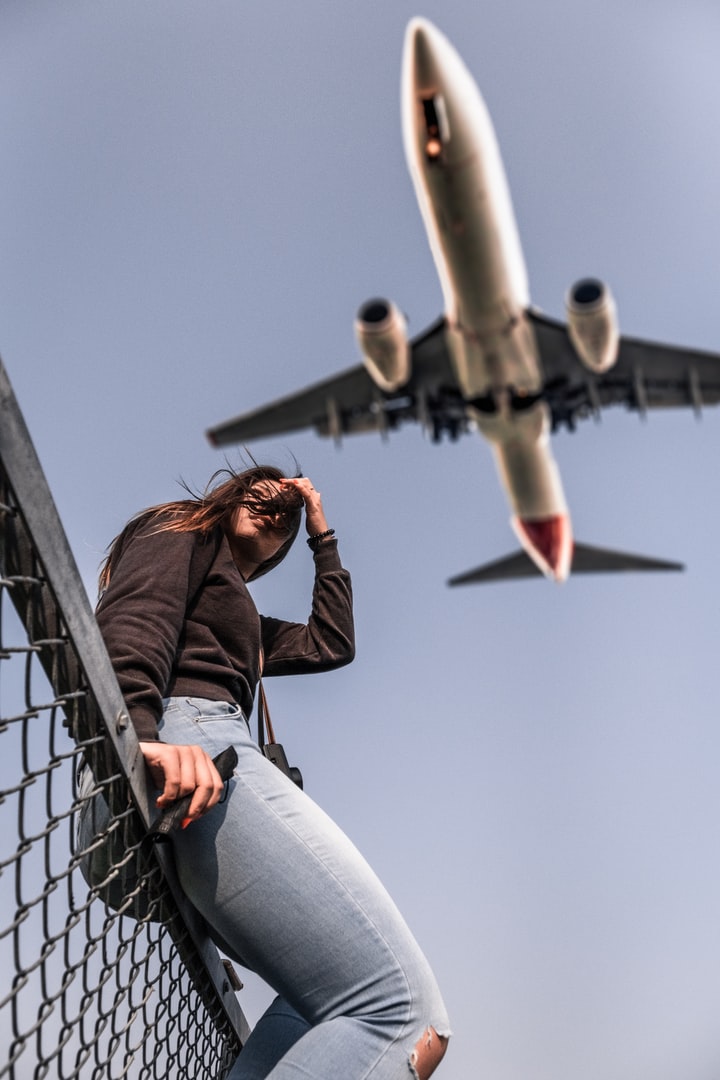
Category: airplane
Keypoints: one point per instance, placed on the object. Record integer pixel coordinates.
(492, 362)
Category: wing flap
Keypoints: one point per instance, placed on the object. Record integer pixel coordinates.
(315, 407)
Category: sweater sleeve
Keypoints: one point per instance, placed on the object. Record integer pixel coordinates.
(141, 617)
(327, 640)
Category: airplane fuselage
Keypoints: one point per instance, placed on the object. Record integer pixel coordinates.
(464, 199)
(462, 191)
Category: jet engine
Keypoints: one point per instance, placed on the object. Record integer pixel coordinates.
(381, 333)
(592, 324)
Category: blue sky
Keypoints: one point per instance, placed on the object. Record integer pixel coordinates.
(195, 199)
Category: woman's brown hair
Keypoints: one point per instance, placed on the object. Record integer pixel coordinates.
(208, 510)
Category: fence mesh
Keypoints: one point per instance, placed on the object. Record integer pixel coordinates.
(88, 990)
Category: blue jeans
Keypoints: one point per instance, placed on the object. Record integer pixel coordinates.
(285, 893)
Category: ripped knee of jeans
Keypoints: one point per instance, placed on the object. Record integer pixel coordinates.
(428, 1053)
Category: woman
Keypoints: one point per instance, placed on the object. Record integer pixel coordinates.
(280, 887)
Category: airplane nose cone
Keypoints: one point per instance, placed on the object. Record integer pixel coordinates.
(548, 541)
(422, 42)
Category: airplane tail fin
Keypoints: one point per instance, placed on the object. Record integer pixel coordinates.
(586, 559)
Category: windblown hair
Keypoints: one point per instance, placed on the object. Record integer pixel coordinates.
(209, 509)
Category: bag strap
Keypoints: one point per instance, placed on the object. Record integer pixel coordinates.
(264, 720)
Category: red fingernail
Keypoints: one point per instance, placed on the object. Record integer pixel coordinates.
(185, 822)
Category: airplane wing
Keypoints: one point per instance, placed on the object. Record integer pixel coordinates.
(647, 375)
(351, 402)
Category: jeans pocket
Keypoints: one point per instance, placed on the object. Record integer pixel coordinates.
(213, 725)
(212, 711)
(201, 710)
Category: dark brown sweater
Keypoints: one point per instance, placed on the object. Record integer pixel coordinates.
(178, 620)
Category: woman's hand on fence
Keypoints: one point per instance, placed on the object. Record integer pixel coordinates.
(183, 770)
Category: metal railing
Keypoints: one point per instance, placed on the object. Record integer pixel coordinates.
(117, 980)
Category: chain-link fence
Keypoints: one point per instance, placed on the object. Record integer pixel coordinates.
(117, 980)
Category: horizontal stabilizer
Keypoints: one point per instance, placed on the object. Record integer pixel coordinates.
(586, 559)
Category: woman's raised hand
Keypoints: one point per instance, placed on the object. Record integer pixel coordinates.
(315, 520)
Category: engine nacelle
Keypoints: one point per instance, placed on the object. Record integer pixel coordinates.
(381, 333)
(592, 324)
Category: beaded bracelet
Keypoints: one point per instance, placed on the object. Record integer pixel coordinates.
(313, 541)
